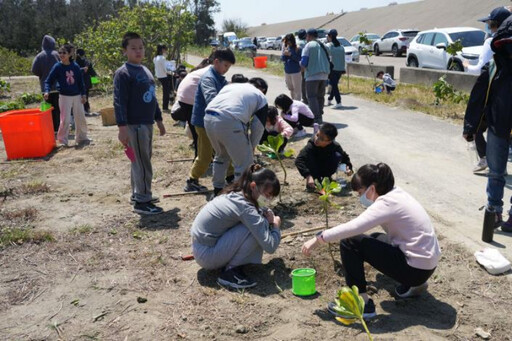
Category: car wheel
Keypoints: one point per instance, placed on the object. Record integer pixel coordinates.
(413, 62)
(396, 52)
(456, 66)
(376, 50)
(360, 50)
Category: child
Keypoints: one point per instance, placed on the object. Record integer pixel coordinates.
(295, 113)
(321, 156)
(388, 83)
(234, 122)
(136, 109)
(162, 74)
(209, 86)
(276, 125)
(71, 96)
(236, 227)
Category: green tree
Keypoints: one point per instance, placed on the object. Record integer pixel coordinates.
(156, 23)
(204, 24)
(235, 25)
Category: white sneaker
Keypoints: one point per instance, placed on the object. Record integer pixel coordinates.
(338, 106)
(300, 133)
(481, 165)
(329, 103)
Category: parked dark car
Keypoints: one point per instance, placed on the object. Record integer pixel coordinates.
(214, 42)
(246, 44)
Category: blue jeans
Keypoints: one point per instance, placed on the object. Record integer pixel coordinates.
(497, 157)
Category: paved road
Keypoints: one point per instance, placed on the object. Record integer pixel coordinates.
(386, 60)
(428, 157)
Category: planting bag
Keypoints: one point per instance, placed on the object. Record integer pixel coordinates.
(492, 261)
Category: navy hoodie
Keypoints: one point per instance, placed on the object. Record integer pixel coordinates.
(45, 60)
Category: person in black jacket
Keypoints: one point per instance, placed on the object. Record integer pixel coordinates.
(490, 100)
(321, 156)
(88, 72)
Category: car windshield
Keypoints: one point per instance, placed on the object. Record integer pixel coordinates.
(344, 42)
(373, 36)
(246, 40)
(469, 38)
(410, 34)
(270, 39)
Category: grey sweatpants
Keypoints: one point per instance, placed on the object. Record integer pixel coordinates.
(230, 140)
(141, 140)
(235, 247)
(316, 92)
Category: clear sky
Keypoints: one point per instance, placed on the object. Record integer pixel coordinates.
(256, 12)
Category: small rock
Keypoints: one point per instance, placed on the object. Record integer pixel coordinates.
(184, 318)
(482, 333)
(141, 299)
(212, 335)
(91, 194)
(240, 329)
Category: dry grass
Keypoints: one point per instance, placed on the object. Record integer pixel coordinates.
(34, 187)
(24, 214)
(18, 236)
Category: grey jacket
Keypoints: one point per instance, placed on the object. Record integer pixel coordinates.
(45, 60)
(228, 210)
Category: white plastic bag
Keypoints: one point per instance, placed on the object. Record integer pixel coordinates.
(188, 132)
(493, 261)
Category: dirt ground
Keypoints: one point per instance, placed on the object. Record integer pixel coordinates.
(110, 274)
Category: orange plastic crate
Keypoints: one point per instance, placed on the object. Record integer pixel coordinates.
(27, 133)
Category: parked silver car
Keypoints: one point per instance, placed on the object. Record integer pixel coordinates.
(350, 51)
(278, 43)
(395, 41)
(372, 37)
(268, 43)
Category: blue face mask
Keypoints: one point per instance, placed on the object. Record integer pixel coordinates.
(363, 199)
(488, 29)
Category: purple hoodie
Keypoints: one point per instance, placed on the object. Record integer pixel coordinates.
(45, 60)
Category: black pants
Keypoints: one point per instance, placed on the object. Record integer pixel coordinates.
(303, 121)
(334, 79)
(273, 133)
(87, 106)
(53, 99)
(166, 90)
(384, 257)
(304, 95)
(184, 113)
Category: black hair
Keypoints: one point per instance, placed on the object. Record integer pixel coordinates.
(289, 39)
(301, 34)
(380, 73)
(224, 55)
(379, 175)
(69, 48)
(160, 49)
(264, 179)
(284, 102)
(182, 74)
(259, 83)
(329, 130)
(80, 52)
(205, 62)
(239, 78)
(272, 114)
(334, 40)
(66, 47)
(129, 36)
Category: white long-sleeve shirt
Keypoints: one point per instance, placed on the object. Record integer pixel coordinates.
(406, 223)
(484, 58)
(160, 66)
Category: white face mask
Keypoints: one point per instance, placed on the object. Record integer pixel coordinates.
(488, 29)
(262, 200)
(363, 199)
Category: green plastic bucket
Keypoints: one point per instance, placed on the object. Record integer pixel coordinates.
(45, 106)
(303, 282)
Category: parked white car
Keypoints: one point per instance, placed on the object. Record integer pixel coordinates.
(394, 41)
(349, 49)
(268, 43)
(372, 37)
(428, 49)
(278, 43)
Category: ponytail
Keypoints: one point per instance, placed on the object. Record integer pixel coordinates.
(379, 175)
(264, 179)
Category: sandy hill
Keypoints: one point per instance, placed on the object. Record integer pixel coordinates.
(422, 15)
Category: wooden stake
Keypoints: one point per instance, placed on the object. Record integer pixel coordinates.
(302, 232)
(185, 193)
(180, 160)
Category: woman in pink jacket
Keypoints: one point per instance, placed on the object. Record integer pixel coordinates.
(408, 252)
(276, 125)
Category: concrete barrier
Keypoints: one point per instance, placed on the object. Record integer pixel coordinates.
(462, 81)
(364, 70)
